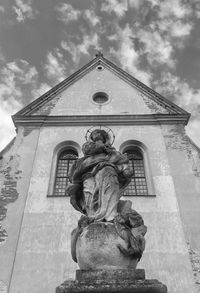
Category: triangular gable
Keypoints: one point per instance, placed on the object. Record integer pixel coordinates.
(51, 97)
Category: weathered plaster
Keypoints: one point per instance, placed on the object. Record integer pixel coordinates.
(176, 138)
(195, 159)
(27, 130)
(155, 107)
(16, 166)
(10, 174)
(184, 159)
(3, 287)
(47, 108)
(195, 260)
(3, 233)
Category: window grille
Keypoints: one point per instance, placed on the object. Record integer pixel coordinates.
(64, 164)
(138, 184)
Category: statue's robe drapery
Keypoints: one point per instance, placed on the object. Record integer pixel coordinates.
(98, 180)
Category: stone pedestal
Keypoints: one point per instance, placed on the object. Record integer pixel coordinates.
(97, 248)
(114, 281)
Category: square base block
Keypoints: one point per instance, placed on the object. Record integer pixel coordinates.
(114, 281)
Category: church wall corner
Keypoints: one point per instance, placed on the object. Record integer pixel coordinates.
(15, 172)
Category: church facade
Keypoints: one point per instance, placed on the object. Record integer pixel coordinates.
(35, 211)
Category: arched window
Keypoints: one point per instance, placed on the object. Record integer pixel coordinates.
(64, 163)
(138, 184)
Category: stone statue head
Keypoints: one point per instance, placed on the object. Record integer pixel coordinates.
(99, 134)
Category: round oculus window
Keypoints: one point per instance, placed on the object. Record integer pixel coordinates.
(100, 68)
(100, 98)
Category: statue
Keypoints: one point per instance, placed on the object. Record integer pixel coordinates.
(99, 178)
(98, 181)
(109, 239)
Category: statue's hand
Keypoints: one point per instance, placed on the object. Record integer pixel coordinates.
(128, 173)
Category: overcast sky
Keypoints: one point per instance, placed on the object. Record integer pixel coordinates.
(44, 41)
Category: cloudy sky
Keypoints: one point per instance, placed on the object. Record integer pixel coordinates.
(44, 41)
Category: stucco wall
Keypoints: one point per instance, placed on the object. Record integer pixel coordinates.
(15, 172)
(43, 258)
(184, 160)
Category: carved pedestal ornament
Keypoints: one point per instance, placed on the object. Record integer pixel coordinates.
(109, 237)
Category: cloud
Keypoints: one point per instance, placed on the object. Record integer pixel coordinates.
(2, 9)
(173, 19)
(12, 74)
(7, 129)
(127, 54)
(91, 16)
(55, 66)
(9, 94)
(153, 38)
(24, 10)
(40, 90)
(19, 85)
(22, 71)
(76, 50)
(117, 6)
(168, 29)
(173, 8)
(175, 28)
(89, 41)
(135, 3)
(197, 8)
(2, 57)
(18, 78)
(185, 96)
(66, 13)
(120, 8)
(158, 50)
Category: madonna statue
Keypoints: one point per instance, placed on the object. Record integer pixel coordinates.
(99, 178)
(110, 234)
(108, 241)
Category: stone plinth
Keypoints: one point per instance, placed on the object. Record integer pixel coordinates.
(114, 281)
(97, 248)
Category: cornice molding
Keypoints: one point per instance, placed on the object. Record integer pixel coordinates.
(81, 120)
